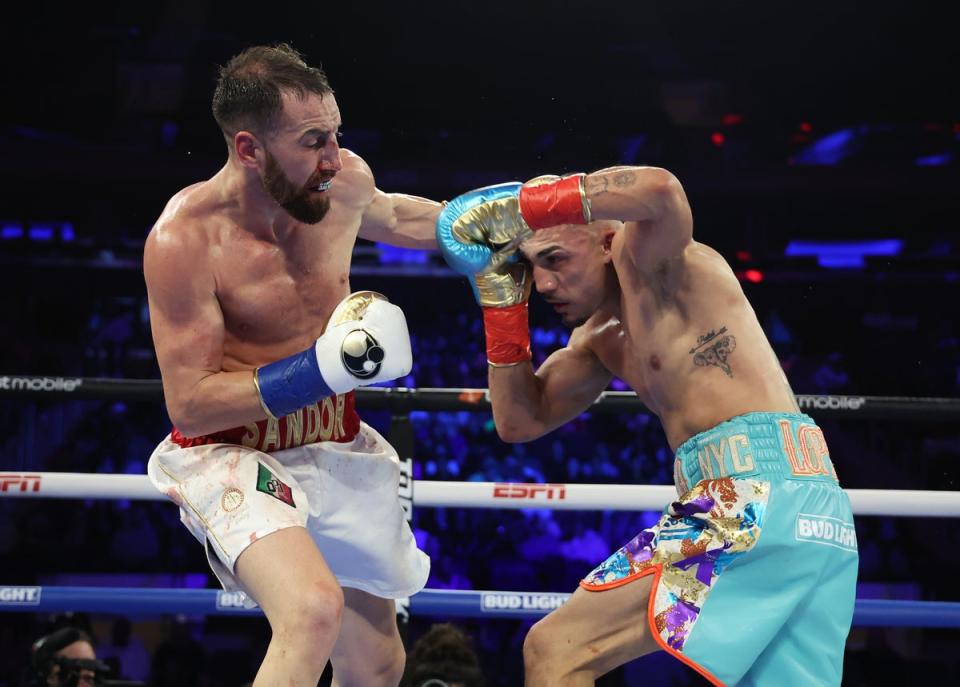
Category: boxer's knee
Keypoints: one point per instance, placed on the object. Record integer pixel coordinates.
(380, 666)
(541, 647)
(310, 623)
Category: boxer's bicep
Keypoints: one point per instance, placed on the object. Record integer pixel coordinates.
(650, 243)
(401, 220)
(653, 206)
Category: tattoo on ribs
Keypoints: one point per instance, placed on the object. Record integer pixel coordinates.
(623, 178)
(713, 349)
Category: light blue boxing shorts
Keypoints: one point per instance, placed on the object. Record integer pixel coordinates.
(755, 565)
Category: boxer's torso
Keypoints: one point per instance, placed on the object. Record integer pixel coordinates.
(688, 341)
(276, 292)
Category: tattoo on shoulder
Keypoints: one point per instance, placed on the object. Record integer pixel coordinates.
(623, 178)
(713, 349)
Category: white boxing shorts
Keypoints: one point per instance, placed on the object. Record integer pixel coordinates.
(344, 493)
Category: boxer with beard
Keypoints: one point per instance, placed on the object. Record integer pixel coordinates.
(260, 344)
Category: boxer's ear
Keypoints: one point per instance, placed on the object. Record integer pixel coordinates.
(608, 232)
(247, 145)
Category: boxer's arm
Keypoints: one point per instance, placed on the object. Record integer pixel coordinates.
(651, 202)
(401, 220)
(188, 331)
(527, 405)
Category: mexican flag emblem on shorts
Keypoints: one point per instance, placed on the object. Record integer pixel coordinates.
(269, 483)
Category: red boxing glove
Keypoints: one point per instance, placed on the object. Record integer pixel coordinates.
(556, 202)
(508, 334)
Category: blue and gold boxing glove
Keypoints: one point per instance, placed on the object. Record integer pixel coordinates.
(479, 224)
(479, 233)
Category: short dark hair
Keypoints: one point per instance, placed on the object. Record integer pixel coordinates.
(248, 92)
(45, 648)
(445, 653)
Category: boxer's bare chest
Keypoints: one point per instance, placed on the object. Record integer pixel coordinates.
(640, 345)
(689, 343)
(274, 291)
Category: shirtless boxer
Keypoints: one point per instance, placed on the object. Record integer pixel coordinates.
(260, 344)
(749, 577)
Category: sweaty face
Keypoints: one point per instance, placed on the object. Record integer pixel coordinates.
(303, 156)
(569, 270)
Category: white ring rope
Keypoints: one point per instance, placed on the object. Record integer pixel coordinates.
(426, 493)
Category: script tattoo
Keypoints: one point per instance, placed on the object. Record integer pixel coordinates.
(623, 178)
(713, 349)
(597, 185)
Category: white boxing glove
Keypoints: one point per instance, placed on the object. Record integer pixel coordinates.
(365, 341)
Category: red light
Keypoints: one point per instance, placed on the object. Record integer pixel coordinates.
(743, 255)
(731, 119)
(956, 128)
(717, 138)
(806, 127)
(753, 276)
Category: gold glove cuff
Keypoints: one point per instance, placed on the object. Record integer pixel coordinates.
(256, 384)
(584, 201)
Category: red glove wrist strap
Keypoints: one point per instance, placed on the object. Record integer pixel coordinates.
(559, 202)
(508, 334)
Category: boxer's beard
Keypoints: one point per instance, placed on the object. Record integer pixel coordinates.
(300, 203)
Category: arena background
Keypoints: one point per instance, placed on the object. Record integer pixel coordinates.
(818, 143)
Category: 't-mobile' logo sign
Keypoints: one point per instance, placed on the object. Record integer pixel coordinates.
(513, 490)
(20, 596)
(40, 383)
(810, 402)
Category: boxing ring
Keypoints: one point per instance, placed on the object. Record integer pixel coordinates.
(429, 494)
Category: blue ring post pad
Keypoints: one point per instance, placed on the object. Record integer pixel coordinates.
(289, 384)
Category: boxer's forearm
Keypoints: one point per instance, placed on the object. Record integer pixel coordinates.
(528, 404)
(516, 395)
(213, 403)
(401, 220)
(636, 194)
(416, 221)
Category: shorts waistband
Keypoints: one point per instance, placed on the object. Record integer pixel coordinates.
(769, 445)
(330, 419)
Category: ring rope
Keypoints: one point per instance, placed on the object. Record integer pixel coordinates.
(449, 603)
(498, 495)
(403, 399)
(453, 603)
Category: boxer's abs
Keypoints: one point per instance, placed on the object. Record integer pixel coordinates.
(695, 381)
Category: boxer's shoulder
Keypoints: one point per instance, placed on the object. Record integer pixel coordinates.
(600, 329)
(354, 183)
(190, 217)
(184, 232)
